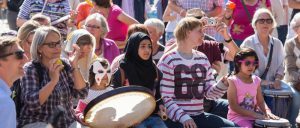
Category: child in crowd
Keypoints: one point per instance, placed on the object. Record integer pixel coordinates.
(244, 92)
(99, 79)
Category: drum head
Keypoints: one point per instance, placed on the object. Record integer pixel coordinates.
(285, 91)
(122, 107)
(273, 123)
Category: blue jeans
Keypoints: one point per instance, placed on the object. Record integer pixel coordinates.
(204, 120)
(294, 108)
(153, 121)
(219, 107)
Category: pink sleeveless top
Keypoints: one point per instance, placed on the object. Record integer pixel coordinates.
(246, 97)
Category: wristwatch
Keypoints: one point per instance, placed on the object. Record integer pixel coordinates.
(229, 40)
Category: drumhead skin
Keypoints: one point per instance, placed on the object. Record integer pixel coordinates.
(120, 108)
(283, 92)
(273, 123)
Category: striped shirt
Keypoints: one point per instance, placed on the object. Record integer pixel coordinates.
(185, 83)
(63, 93)
(54, 10)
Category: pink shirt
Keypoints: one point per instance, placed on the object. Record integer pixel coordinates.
(241, 27)
(246, 97)
(117, 29)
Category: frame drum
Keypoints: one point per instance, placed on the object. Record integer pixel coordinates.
(120, 108)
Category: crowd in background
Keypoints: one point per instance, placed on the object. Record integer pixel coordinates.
(188, 53)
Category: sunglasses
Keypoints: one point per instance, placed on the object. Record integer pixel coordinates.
(262, 21)
(92, 26)
(248, 62)
(54, 44)
(19, 54)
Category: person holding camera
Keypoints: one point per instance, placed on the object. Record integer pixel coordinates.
(187, 80)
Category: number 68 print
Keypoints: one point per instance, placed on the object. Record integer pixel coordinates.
(194, 84)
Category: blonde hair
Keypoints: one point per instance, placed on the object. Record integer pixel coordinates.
(185, 25)
(27, 29)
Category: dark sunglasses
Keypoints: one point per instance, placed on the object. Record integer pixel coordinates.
(248, 62)
(19, 54)
(54, 44)
(92, 26)
(262, 21)
(198, 17)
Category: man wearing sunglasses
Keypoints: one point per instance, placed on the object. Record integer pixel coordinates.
(12, 59)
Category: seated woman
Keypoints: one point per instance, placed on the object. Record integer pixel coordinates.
(25, 34)
(138, 68)
(118, 20)
(132, 29)
(96, 24)
(50, 82)
(292, 65)
(270, 53)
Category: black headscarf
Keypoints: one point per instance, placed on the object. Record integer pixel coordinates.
(138, 71)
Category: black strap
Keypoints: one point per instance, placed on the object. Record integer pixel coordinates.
(247, 11)
(263, 76)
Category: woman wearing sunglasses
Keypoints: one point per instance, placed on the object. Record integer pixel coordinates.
(47, 85)
(244, 91)
(270, 53)
(292, 65)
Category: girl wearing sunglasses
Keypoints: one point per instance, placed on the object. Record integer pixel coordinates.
(244, 92)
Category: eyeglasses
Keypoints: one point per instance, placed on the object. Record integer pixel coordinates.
(19, 54)
(53, 44)
(262, 21)
(92, 26)
(249, 62)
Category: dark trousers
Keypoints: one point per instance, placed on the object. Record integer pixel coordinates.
(282, 31)
(205, 120)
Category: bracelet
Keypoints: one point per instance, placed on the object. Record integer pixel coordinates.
(229, 40)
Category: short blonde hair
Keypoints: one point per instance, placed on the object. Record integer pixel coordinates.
(185, 25)
(26, 29)
(260, 11)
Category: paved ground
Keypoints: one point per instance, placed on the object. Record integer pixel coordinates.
(3, 25)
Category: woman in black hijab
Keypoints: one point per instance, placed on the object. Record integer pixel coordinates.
(137, 65)
(138, 68)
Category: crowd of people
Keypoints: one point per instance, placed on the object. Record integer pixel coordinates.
(207, 63)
